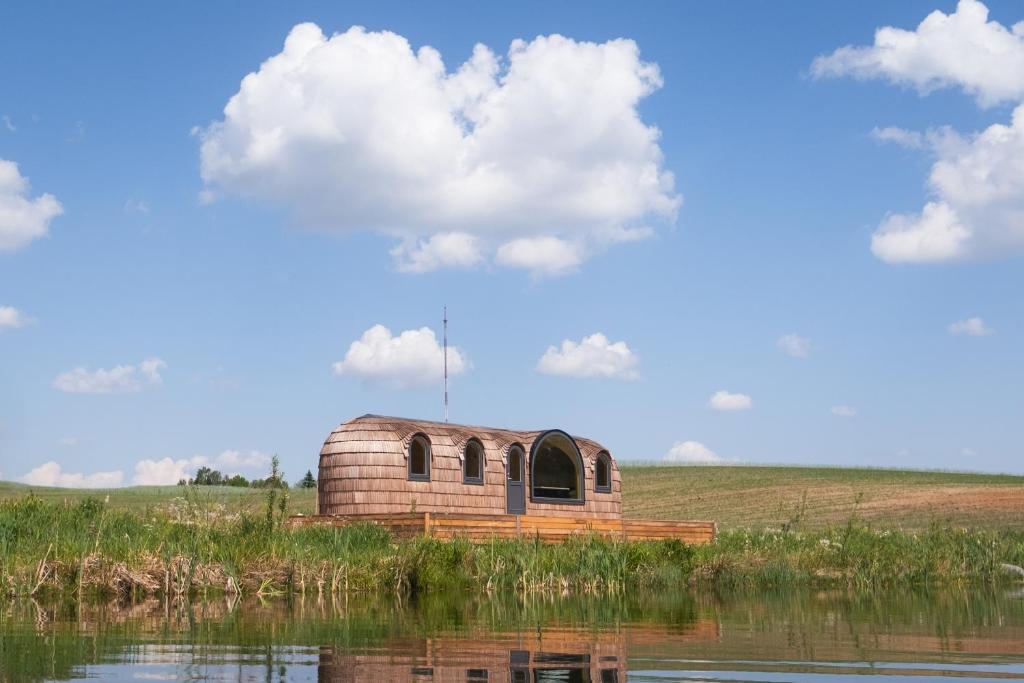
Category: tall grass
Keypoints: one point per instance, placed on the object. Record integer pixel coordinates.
(192, 547)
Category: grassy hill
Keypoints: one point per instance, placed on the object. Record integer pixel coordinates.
(734, 496)
(140, 498)
(816, 497)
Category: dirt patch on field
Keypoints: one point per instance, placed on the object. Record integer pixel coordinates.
(816, 502)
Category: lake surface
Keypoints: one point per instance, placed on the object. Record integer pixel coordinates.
(800, 635)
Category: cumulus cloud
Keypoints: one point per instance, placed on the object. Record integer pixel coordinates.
(723, 400)
(166, 471)
(962, 49)
(11, 318)
(413, 358)
(692, 452)
(359, 131)
(844, 411)
(444, 250)
(22, 218)
(233, 460)
(972, 327)
(120, 379)
(794, 345)
(977, 205)
(541, 255)
(976, 185)
(169, 471)
(594, 356)
(51, 474)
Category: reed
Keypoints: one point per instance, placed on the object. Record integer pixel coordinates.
(193, 547)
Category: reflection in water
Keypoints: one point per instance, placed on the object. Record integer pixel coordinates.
(561, 655)
(775, 636)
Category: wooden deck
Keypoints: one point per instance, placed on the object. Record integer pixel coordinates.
(485, 527)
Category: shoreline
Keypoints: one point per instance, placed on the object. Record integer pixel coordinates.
(91, 548)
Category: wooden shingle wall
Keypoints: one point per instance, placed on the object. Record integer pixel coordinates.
(364, 470)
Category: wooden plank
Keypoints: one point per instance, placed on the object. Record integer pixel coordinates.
(482, 526)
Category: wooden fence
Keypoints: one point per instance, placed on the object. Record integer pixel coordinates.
(484, 527)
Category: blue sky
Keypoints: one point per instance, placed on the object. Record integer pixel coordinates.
(217, 268)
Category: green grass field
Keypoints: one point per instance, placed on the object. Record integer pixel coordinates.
(734, 496)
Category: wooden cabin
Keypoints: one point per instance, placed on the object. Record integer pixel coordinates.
(376, 465)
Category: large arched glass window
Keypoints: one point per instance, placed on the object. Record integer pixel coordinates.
(603, 473)
(556, 469)
(473, 462)
(419, 458)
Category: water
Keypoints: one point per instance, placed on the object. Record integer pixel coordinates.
(798, 635)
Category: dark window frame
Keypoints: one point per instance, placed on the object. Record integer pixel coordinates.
(522, 464)
(425, 440)
(466, 479)
(603, 458)
(581, 472)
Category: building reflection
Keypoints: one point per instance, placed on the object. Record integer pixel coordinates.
(562, 657)
(549, 654)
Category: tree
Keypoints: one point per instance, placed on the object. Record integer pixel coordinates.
(208, 477)
(236, 480)
(275, 480)
(308, 481)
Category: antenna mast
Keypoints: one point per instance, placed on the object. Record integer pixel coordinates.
(446, 364)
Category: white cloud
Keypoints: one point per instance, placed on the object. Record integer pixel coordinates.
(169, 471)
(794, 345)
(977, 205)
(723, 400)
(692, 452)
(11, 318)
(844, 411)
(357, 131)
(233, 460)
(136, 206)
(594, 356)
(413, 358)
(67, 441)
(165, 472)
(969, 453)
(117, 380)
(443, 250)
(51, 474)
(541, 255)
(976, 185)
(150, 369)
(972, 327)
(911, 139)
(962, 49)
(22, 218)
(8, 124)
(935, 234)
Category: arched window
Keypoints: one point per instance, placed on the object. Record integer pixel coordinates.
(419, 458)
(603, 473)
(473, 462)
(515, 464)
(556, 469)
